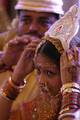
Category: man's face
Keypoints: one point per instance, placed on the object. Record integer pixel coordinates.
(35, 23)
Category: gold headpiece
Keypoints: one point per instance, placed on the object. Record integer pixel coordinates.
(62, 31)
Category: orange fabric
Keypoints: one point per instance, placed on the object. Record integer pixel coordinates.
(16, 115)
(41, 108)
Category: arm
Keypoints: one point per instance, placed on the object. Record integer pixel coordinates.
(13, 51)
(5, 106)
(70, 76)
(13, 87)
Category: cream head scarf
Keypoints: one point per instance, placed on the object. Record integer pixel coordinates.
(62, 31)
(54, 6)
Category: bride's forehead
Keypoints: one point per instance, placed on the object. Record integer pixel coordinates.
(43, 59)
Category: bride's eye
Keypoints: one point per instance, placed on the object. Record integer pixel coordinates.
(50, 73)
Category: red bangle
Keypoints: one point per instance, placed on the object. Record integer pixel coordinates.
(11, 90)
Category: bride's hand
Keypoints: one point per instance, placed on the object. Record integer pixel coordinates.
(70, 66)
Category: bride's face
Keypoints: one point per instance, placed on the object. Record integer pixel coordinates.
(48, 74)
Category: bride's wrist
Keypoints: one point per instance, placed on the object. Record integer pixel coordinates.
(10, 90)
(70, 101)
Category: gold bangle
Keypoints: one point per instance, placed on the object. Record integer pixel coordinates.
(66, 115)
(69, 85)
(16, 86)
(69, 90)
(10, 90)
(4, 95)
(64, 110)
(75, 115)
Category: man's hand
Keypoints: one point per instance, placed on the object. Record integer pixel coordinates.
(15, 48)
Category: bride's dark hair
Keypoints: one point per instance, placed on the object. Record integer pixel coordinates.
(48, 49)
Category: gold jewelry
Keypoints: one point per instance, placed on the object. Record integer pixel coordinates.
(70, 90)
(16, 86)
(4, 95)
(70, 85)
(10, 90)
(66, 115)
(64, 110)
(70, 57)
